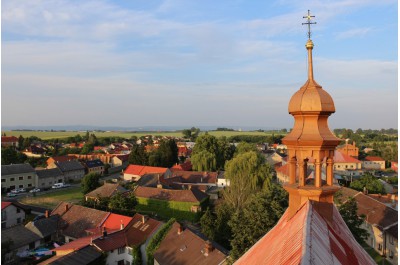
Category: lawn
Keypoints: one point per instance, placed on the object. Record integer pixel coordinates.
(51, 200)
(51, 135)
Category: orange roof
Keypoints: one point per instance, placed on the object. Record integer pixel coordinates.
(76, 244)
(339, 157)
(307, 237)
(114, 221)
(141, 170)
(374, 158)
(186, 166)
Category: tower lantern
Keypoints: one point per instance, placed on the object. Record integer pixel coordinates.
(311, 143)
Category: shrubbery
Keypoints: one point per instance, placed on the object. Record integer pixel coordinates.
(156, 241)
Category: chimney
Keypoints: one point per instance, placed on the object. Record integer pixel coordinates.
(66, 207)
(122, 225)
(46, 214)
(144, 219)
(180, 229)
(208, 248)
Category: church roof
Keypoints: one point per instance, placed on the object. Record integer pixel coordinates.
(307, 238)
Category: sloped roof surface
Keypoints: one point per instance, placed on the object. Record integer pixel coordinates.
(94, 163)
(5, 204)
(107, 190)
(141, 170)
(19, 235)
(49, 173)
(186, 248)
(69, 165)
(16, 169)
(306, 239)
(44, 227)
(374, 158)
(193, 195)
(78, 219)
(9, 139)
(84, 256)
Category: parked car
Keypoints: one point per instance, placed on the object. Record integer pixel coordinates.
(11, 194)
(18, 190)
(34, 190)
(58, 186)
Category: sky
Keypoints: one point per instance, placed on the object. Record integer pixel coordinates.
(195, 63)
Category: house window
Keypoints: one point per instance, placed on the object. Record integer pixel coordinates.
(391, 240)
(21, 186)
(29, 185)
(391, 254)
(21, 178)
(121, 250)
(12, 179)
(29, 177)
(3, 180)
(18, 210)
(379, 246)
(18, 220)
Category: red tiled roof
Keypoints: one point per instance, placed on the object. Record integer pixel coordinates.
(141, 170)
(193, 195)
(5, 204)
(135, 233)
(339, 157)
(9, 139)
(76, 244)
(374, 158)
(186, 248)
(107, 190)
(186, 166)
(283, 169)
(195, 176)
(307, 238)
(78, 219)
(114, 221)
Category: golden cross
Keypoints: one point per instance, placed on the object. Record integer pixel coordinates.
(308, 17)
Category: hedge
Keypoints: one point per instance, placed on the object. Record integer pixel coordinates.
(156, 241)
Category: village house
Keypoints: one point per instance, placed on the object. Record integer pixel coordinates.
(272, 157)
(119, 160)
(52, 160)
(181, 204)
(72, 170)
(20, 241)
(381, 222)
(107, 190)
(94, 166)
(348, 149)
(46, 228)
(222, 181)
(373, 163)
(35, 151)
(187, 179)
(7, 141)
(134, 172)
(48, 177)
(11, 214)
(75, 220)
(17, 176)
(185, 166)
(182, 246)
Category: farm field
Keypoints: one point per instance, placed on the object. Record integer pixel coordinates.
(46, 135)
(51, 200)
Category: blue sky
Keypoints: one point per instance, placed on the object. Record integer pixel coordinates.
(195, 63)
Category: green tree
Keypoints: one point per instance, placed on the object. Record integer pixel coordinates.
(138, 155)
(191, 133)
(20, 142)
(259, 216)
(244, 147)
(204, 161)
(169, 153)
(122, 202)
(90, 182)
(220, 149)
(348, 210)
(370, 183)
(247, 173)
(87, 148)
(207, 223)
(10, 156)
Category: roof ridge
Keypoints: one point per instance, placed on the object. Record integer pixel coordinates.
(375, 200)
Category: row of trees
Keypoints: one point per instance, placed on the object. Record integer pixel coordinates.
(166, 155)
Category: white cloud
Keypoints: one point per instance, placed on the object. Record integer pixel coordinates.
(358, 32)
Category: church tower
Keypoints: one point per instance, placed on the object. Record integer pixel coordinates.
(311, 141)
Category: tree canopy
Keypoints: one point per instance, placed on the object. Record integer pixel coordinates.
(371, 183)
(348, 210)
(138, 155)
(90, 182)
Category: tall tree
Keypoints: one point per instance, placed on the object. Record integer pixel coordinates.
(218, 148)
(348, 210)
(204, 161)
(138, 155)
(370, 183)
(169, 152)
(90, 182)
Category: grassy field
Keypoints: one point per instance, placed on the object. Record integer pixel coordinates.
(52, 135)
(51, 200)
